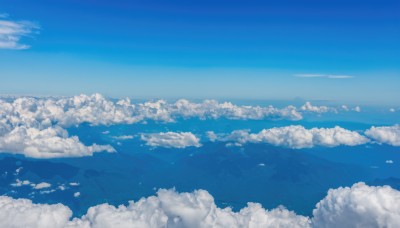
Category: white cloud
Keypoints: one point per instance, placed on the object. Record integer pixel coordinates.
(35, 127)
(123, 137)
(389, 161)
(331, 76)
(42, 185)
(359, 206)
(297, 137)
(52, 142)
(392, 110)
(77, 194)
(23, 213)
(74, 184)
(19, 183)
(12, 31)
(357, 109)
(356, 206)
(97, 110)
(308, 107)
(389, 134)
(171, 139)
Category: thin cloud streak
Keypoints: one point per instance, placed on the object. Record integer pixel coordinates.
(11, 32)
(330, 76)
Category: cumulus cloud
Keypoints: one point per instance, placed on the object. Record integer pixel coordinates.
(297, 137)
(388, 134)
(52, 142)
(12, 31)
(308, 107)
(23, 213)
(357, 206)
(42, 185)
(171, 139)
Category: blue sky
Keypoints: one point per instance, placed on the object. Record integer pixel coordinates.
(207, 49)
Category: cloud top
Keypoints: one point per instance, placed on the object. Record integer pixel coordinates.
(387, 134)
(357, 206)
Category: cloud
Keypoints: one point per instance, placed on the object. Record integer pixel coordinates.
(123, 137)
(357, 206)
(331, 76)
(297, 137)
(35, 127)
(97, 110)
(42, 185)
(23, 213)
(308, 107)
(52, 142)
(389, 135)
(389, 162)
(171, 139)
(12, 31)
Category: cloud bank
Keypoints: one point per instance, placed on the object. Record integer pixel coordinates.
(295, 136)
(357, 206)
(171, 139)
(12, 31)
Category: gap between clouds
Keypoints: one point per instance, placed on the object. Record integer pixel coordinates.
(357, 206)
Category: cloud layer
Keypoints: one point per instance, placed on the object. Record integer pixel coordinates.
(295, 136)
(12, 31)
(35, 127)
(356, 206)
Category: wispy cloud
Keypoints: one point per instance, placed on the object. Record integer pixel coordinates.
(12, 31)
(331, 76)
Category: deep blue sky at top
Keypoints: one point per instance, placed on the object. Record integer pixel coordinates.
(208, 48)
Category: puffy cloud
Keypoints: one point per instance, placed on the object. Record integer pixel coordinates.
(23, 213)
(389, 134)
(389, 161)
(310, 108)
(359, 206)
(356, 206)
(77, 194)
(297, 137)
(171, 139)
(11, 32)
(19, 183)
(52, 142)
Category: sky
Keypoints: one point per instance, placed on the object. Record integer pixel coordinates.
(345, 51)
